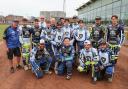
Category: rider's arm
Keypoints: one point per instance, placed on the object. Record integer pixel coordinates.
(104, 33)
(107, 34)
(95, 55)
(76, 35)
(20, 35)
(81, 55)
(91, 33)
(73, 37)
(121, 35)
(87, 34)
(72, 51)
(112, 58)
(43, 34)
(53, 38)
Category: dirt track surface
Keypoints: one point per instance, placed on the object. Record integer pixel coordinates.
(26, 80)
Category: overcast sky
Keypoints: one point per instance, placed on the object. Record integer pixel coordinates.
(33, 7)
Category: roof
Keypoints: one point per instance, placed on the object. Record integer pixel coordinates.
(86, 4)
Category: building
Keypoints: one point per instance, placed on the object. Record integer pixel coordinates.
(105, 9)
(10, 18)
(54, 14)
(2, 19)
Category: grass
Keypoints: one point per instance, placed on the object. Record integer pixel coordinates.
(2, 28)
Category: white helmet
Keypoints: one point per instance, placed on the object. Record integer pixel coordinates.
(42, 41)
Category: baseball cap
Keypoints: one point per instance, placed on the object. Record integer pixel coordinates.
(42, 41)
(87, 42)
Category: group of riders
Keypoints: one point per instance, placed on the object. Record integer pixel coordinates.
(61, 46)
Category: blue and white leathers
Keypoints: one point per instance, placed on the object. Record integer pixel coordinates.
(66, 55)
(58, 37)
(88, 55)
(106, 62)
(104, 57)
(67, 31)
(42, 25)
(41, 57)
(57, 41)
(80, 35)
(47, 35)
(75, 26)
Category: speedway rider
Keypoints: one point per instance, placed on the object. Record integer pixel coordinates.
(42, 57)
(88, 55)
(25, 40)
(66, 58)
(106, 63)
(115, 35)
(80, 35)
(98, 32)
(48, 34)
(36, 32)
(68, 31)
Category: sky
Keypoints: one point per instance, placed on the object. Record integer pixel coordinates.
(33, 7)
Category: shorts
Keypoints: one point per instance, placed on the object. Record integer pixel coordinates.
(13, 51)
